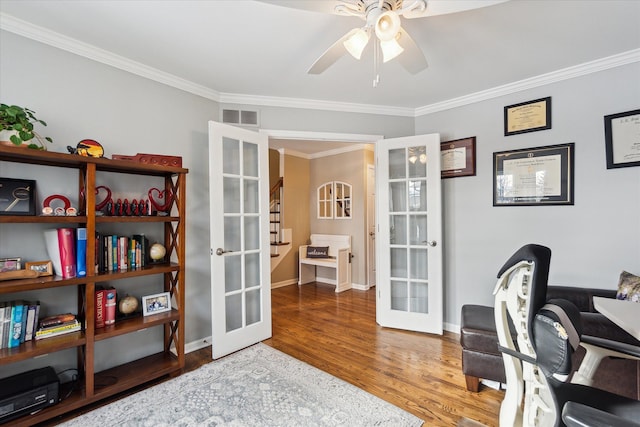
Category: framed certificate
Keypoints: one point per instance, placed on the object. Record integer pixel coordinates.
(458, 157)
(622, 139)
(534, 176)
(527, 116)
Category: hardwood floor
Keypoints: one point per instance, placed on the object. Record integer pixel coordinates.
(418, 372)
(338, 333)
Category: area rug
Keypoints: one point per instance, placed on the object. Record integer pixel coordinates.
(257, 386)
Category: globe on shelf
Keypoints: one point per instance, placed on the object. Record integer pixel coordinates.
(157, 252)
(128, 304)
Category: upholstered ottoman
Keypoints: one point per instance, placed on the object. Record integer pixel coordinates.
(481, 358)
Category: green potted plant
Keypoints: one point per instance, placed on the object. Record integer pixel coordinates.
(16, 127)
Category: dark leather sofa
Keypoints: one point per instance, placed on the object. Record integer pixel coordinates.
(482, 360)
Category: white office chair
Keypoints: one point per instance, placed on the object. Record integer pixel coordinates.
(520, 294)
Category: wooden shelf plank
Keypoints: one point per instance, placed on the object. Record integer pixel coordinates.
(32, 349)
(134, 324)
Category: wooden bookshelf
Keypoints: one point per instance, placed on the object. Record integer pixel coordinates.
(169, 276)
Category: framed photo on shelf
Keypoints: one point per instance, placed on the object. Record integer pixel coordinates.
(622, 139)
(530, 116)
(45, 268)
(17, 196)
(534, 176)
(156, 303)
(458, 157)
(10, 264)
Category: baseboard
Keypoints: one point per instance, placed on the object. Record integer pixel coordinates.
(197, 345)
(360, 287)
(451, 327)
(284, 283)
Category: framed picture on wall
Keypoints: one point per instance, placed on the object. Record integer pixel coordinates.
(622, 139)
(534, 176)
(458, 157)
(530, 116)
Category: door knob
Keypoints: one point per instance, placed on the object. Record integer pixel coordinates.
(432, 243)
(221, 251)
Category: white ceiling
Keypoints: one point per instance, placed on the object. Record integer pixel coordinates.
(253, 50)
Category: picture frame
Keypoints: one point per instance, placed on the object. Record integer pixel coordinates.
(458, 157)
(17, 196)
(45, 268)
(622, 139)
(156, 303)
(530, 116)
(534, 176)
(10, 264)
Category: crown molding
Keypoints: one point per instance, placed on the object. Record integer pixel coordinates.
(602, 64)
(51, 38)
(43, 35)
(315, 104)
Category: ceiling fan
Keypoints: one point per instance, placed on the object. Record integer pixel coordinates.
(383, 25)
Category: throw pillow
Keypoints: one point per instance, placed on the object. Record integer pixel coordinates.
(317, 251)
(628, 287)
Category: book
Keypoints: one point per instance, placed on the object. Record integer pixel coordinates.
(23, 330)
(61, 327)
(2, 307)
(110, 306)
(15, 327)
(32, 320)
(67, 248)
(81, 251)
(99, 252)
(7, 324)
(55, 320)
(99, 308)
(51, 243)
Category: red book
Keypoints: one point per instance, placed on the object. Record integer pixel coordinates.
(110, 306)
(67, 247)
(100, 309)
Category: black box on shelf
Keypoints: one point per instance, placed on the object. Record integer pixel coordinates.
(17, 196)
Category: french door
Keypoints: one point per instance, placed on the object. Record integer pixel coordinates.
(239, 224)
(409, 211)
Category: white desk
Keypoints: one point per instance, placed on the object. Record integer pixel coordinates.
(625, 314)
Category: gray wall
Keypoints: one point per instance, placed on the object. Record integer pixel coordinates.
(591, 242)
(127, 114)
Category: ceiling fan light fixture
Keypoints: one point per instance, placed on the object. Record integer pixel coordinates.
(357, 42)
(390, 49)
(387, 25)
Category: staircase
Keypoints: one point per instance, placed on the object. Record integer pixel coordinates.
(280, 238)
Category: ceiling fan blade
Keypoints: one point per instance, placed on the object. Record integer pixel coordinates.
(412, 59)
(331, 55)
(443, 7)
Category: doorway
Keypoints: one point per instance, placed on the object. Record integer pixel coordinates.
(299, 148)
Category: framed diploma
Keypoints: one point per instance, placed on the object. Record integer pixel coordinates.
(458, 157)
(527, 116)
(622, 139)
(534, 176)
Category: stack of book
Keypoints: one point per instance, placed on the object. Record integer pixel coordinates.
(60, 324)
(114, 253)
(18, 321)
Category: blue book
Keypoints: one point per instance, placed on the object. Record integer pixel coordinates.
(81, 251)
(15, 327)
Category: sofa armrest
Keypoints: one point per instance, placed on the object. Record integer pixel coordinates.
(581, 297)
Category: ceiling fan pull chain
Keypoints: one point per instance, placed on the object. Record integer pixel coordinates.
(376, 62)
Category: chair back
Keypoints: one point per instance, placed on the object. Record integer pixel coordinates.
(519, 293)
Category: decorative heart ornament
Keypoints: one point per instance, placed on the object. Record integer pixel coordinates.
(107, 196)
(160, 195)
